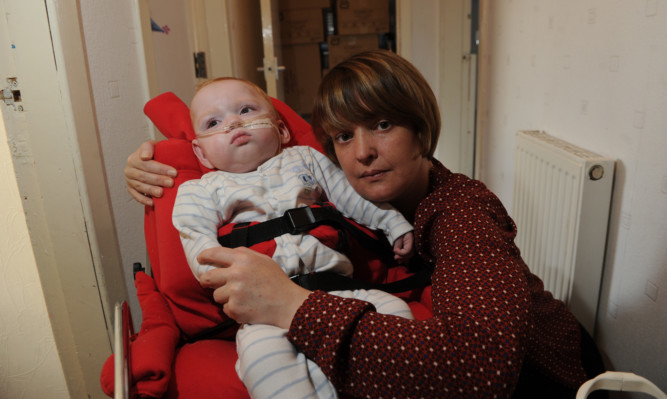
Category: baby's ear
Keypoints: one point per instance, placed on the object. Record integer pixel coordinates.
(283, 131)
(199, 152)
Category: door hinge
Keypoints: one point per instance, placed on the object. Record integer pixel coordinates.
(11, 94)
(200, 65)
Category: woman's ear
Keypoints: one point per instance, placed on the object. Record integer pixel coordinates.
(199, 152)
(283, 132)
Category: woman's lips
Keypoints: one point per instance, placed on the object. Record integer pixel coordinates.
(373, 175)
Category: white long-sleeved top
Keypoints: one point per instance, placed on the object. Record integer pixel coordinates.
(298, 176)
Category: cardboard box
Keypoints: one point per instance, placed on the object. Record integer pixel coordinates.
(303, 72)
(301, 26)
(342, 47)
(356, 17)
(299, 4)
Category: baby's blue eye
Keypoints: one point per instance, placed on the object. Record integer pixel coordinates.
(245, 110)
(212, 123)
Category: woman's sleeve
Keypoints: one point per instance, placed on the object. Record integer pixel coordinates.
(471, 347)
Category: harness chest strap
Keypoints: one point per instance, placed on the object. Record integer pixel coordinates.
(294, 221)
(303, 219)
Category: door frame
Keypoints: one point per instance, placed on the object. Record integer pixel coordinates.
(64, 192)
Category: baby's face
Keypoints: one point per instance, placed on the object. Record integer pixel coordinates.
(236, 128)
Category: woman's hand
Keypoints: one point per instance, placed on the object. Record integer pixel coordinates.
(145, 177)
(251, 287)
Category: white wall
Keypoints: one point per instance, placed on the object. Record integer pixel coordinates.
(29, 362)
(173, 51)
(593, 73)
(115, 57)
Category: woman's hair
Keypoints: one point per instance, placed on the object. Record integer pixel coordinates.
(372, 86)
(258, 89)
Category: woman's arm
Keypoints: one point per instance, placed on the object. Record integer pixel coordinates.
(146, 177)
(472, 347)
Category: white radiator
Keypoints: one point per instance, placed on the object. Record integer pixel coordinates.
(562, 195)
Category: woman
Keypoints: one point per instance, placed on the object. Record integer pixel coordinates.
(495, 331)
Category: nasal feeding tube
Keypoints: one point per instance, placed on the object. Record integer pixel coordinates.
(261, 121)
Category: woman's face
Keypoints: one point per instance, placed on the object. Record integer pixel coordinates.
(384, 164)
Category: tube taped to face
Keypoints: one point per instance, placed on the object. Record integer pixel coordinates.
(260, 122)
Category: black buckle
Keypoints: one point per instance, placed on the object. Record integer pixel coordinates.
(300, 220)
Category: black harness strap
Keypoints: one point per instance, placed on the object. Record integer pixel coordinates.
(301, 220)
(304, 219)
(294, 221)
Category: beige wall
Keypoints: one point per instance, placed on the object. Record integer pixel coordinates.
(593, 73)
(120, 90)
(29, 362)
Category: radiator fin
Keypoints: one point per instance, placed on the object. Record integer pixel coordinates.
(562, 215)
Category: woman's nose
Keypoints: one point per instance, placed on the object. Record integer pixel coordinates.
(365, 150)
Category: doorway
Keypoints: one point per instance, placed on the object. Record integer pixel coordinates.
(284, 46)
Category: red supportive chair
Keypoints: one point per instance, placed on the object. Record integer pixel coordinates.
(162, 360)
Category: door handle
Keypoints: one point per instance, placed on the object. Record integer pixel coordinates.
(280, 68)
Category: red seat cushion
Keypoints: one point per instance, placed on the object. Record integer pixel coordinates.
(205, 369)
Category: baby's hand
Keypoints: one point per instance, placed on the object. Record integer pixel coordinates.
(404, 248)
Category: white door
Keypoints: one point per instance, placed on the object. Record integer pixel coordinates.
(271, 45)
(48, 118)
(436, 36)
(458, 87)
(172, 47)
(244, 46)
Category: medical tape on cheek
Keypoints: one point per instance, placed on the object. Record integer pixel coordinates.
(257, 123)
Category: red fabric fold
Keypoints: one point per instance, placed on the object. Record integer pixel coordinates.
(152, 348)
(171, 116)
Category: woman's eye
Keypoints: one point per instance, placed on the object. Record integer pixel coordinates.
(383, 125)
(343, 137)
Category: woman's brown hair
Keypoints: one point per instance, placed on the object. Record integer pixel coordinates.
(373, 86)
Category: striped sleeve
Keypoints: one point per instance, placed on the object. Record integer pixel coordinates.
(197, 220)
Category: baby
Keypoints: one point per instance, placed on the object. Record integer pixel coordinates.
(240, 136)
